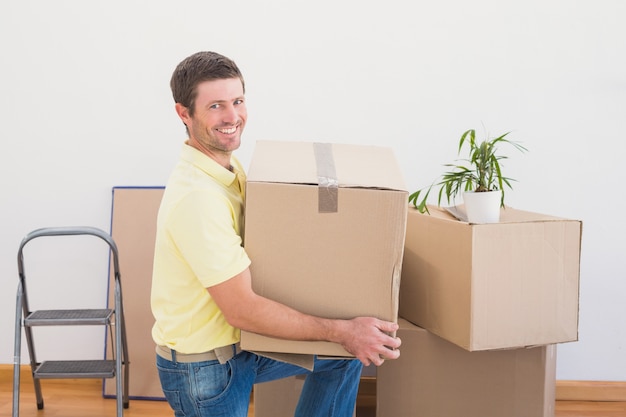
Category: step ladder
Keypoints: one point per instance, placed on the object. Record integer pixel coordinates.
(112, 318)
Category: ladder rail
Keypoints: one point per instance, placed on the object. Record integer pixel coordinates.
(67, 231)
(121, 337)
(17, 347)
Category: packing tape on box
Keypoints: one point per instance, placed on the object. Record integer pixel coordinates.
(328, 185)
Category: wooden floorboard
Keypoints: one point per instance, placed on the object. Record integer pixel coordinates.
(83, 398)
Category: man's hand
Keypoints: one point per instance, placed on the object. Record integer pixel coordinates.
(369, 341)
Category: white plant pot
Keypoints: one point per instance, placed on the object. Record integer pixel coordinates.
(483, 207)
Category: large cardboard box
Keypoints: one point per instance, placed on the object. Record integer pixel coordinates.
(492, 286)
(435, 378)
(278, 398)
(325, 227)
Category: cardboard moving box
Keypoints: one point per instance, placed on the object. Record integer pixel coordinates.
(492, 286)
(325, 227)
(435, 378)
(279, 398)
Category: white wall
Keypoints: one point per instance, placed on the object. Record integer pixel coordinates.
(85, 106)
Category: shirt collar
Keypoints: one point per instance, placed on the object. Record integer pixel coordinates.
(207, 164)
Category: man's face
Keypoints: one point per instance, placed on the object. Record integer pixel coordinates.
(219, 118)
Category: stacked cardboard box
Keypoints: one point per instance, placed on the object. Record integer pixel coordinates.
(436, 378)
(492, 286)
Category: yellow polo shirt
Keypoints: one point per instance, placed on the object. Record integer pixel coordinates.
(198, 245)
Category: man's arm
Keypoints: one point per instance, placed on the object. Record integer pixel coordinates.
(364, 337)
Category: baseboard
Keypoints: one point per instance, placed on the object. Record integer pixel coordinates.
(591, 390)
(565, 390)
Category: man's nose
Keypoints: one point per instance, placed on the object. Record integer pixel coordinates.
(230, 115)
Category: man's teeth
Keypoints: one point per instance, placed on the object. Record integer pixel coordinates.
(228, 131)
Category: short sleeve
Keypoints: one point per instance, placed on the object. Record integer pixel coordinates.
(206, 232)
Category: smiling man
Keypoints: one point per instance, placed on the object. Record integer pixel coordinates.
(201, 288)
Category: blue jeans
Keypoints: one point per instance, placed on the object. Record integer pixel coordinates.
(210, 389)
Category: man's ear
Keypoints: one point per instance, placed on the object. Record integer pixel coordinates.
(183, 113)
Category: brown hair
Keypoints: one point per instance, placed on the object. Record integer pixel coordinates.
(199, 67)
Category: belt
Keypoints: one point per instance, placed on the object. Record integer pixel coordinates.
(222, 354)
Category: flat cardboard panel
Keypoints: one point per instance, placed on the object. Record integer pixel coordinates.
(337, 265)
(492, 286)
(133, 228)
(435, 378)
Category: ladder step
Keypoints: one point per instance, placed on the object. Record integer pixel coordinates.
(69, 317)
(76, 369)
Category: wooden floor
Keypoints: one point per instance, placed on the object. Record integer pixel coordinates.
(83, 398)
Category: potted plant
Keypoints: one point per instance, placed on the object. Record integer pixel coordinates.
(482, 178)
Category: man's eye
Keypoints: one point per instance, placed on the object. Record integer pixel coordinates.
(239, 101)
(215, 106)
